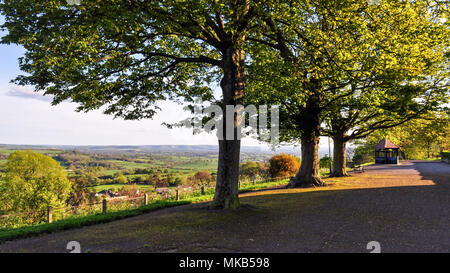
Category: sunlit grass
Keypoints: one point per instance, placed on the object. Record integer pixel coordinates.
(74, 222)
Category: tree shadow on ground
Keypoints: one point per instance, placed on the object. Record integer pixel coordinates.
(408, 215)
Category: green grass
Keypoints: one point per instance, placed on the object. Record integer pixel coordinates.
(182, 166)
(109, 172)
(130, 165)
(75, 222)
(200, 164)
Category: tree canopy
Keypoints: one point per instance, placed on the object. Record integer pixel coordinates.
(312, 58)
(358, 116)
(327, 52)
(125, 56)
(419, 138)
(32, 182)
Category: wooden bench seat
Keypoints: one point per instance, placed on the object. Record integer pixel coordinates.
(359, 169)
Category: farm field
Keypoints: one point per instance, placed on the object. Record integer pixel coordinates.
(144, 169)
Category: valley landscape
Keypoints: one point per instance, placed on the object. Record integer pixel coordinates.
(240, 127)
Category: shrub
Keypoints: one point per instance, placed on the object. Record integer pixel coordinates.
(119, 178)
(325, 162)
(283, 165)
(200, 178)
(252, 169)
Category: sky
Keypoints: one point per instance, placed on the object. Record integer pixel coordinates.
(27, 117)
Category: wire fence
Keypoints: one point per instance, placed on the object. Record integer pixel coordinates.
(121, 203)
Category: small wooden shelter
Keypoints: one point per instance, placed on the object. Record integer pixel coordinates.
(386, 152)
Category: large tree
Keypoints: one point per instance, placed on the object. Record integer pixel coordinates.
(324, 51)
(126, 55)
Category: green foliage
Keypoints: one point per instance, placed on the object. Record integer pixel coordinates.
(363, 156)
(77, 160)
(114, 53)
(126, 56)
(324, 162)
(32, 182)
(252, 170)
(121, 53)
(178, 181)
(344, 58)
(82, 191)
(420, 138)
(119, 178)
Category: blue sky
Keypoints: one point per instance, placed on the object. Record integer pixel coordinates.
(27, 117)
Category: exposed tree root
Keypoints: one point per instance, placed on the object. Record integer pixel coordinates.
(339, 174)
(306, 182)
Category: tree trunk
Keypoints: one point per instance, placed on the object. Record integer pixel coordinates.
(232, 83)
(309, 172)
(226, 195)
(339, 157)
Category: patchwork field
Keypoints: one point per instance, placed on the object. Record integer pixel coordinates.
(137, 166)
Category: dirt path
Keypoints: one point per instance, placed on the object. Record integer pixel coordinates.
(405, 208)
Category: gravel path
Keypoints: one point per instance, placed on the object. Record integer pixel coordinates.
(403, 207)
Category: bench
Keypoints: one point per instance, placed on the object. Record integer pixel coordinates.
(359, 169)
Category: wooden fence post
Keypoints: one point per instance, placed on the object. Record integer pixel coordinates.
(178, 195)
(49, 215)
(203, 190)
(145, 199)
(105, 206)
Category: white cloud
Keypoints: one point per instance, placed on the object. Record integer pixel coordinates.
(26, 92)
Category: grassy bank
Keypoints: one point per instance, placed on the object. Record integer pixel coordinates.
(75, 222)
